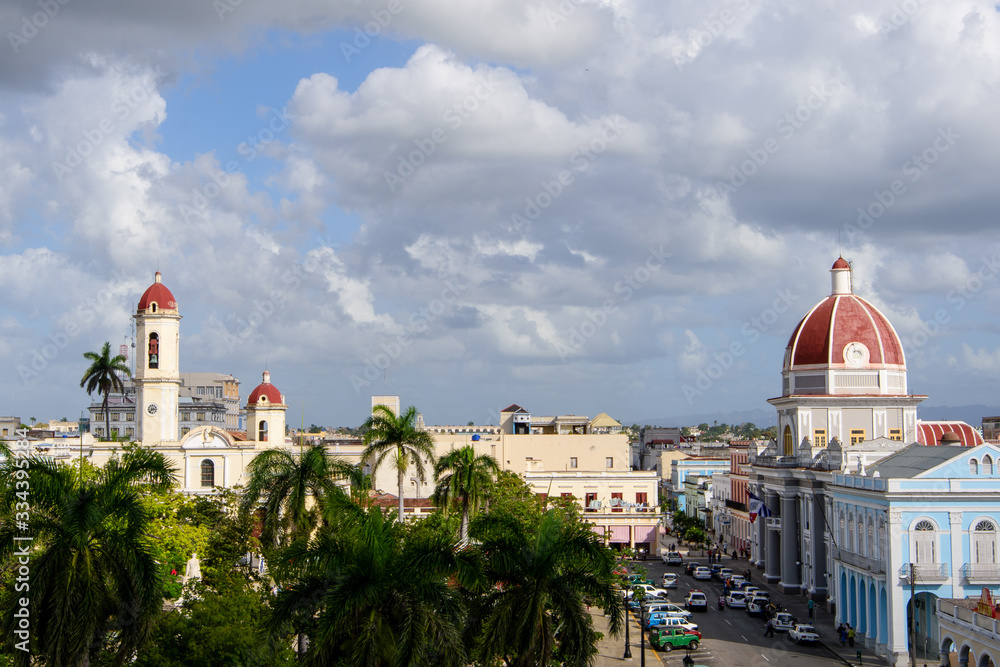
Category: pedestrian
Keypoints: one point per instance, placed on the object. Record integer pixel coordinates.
(769, 630)
(734, 554)
(809, 606)
(850, 636)
(842, 633)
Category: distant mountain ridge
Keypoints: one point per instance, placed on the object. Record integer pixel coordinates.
(970, 414)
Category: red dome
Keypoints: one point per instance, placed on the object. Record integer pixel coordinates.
(844, 331)
(159, 294)
(267, 390)
(841, 263)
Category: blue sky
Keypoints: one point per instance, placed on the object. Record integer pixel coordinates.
(578, 207)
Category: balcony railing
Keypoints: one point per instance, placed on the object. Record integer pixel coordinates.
(979, 573)
(872, 565)
(925, 572)
(732, 504)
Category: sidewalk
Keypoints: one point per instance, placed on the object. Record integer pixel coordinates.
(610, 650)
(822, 621)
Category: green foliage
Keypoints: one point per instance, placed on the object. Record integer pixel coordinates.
(464, 480)
(104, 376)
(513, 496)
(397, 438)
(695, 535)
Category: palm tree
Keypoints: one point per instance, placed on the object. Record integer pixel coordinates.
(388, 434)
(375, 592)
(465, 479)
(94, 583)
(281, 484)
(103, 376)
(545, 576)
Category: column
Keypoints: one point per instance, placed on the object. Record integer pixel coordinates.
(789, 545)
(820, 576)
(772, 550)
(760, 544)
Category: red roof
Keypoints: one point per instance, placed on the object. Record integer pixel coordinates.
(825, 332)
(841, 263)
(159, 294)
(930, 433)
(265, 389)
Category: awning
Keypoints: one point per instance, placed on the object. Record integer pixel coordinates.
(645, 533)
(620, 534)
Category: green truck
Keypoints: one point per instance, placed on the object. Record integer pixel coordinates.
(667, 639)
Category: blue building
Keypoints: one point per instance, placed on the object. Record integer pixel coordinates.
(920, 525)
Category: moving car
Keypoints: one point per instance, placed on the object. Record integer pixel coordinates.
(702, 574)
(736, 600)
(669, 580)
(723, 573)
(736, 582)
(803, 634)
(673, 558)
(667, 639)
(696, 600)
(757, 602)
(691, 566)
(650, 591)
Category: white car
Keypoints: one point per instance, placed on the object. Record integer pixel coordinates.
(783, 621)
(673, 558)
(650, 591)
(736, 600)
(672, 622)
(669, 609)
(802, 634)
(703, 574)
(696, 600)
(669, 580)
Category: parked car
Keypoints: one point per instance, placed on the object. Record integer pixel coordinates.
(662, 620)
(669, 580)
(691, 566)
(673, 558)
(669, 608)
(736, 581)
(696, 600)
(702, 574)
(803, 634)
(667, 639)
(783, 621)
(749, 591)
(757, 602)
(650, 591)
(736, 600)
(723, 573)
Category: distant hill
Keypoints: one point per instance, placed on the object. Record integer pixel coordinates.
(970, 414)
(762, 418)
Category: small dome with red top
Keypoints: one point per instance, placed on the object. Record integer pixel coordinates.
(265, 392)
(157, 297)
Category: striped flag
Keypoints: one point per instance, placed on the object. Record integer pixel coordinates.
(757, 507)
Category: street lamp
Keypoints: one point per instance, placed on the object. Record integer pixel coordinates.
(628, 646)
(913, 616)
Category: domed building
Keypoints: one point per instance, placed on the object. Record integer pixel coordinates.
(843, 376)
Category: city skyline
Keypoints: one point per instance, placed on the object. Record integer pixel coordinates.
(576, 206)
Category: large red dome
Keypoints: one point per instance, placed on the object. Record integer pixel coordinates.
(265, 390)
(157, 294)
(844, 331)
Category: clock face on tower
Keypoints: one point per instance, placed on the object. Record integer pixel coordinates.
(151, 409)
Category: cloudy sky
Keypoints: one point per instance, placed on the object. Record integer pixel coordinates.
(576, 205)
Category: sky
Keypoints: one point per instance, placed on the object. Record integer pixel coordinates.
(578, 206)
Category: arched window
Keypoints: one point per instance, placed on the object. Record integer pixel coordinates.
(154, 350)
(973, 467)
(987, 465)
(882, 553)
(843, 529)
(924, 542)
(871, 550)
(850, 533)
(789, 443)
(262, 431)
(984, 543)
(207, 473)
(862, 547)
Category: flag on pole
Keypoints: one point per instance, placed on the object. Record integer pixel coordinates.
(757, 507)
